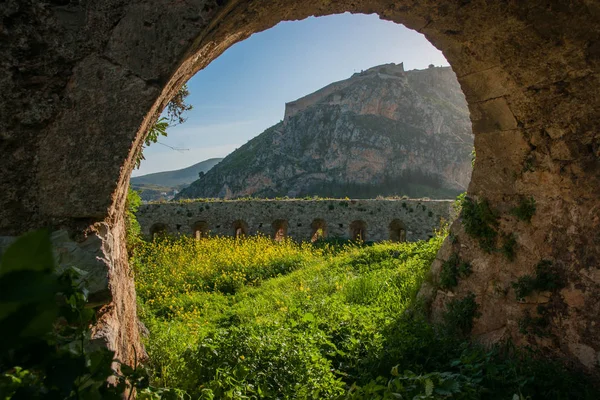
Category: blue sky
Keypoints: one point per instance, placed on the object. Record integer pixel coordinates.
(244, 91)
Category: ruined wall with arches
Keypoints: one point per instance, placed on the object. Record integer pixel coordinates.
(306, 220)
(81, 83)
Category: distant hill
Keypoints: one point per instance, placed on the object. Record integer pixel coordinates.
(384, 131)
(153, 185)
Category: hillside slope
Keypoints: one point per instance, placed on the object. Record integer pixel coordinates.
(381, 132)
(152, 185)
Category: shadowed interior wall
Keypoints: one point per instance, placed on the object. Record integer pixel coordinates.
(81, 82)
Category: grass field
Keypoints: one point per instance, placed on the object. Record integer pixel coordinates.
(253, 318)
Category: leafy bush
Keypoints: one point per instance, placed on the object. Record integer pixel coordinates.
(47, 352)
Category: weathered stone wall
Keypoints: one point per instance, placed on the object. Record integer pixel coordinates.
(418, 217)
(81, 82)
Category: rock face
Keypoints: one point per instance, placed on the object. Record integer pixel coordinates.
(383, 131)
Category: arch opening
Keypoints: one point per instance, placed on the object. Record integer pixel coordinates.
(158, 230)
(529, 141)
(279, 229)
(200, 230)
(358, 230)
(397, 231)
(240, 228)
(318, 230)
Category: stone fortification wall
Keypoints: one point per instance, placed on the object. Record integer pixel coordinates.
(294, 107)
(299, 219)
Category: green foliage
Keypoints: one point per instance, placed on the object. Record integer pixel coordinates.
(525, 210)
(331, 325)
(547, 278)
(480, 222)
(46, 353)
(452, 269)
(460, 314)
(154, 133)
(509, 243)
(433, 385)
(459, 202)
(308, 328)
(537, 326)
(473, 157)
(133, 230)
(177, 107)
(175, 113)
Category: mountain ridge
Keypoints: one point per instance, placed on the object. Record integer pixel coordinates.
(383, 131)
(153, 185)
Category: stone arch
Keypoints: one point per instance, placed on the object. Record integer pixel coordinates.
(158, 229)
(397, 231)
(358, 230)
(200, 229)
(318, 229)
(240, 228)
(85, 105)
(280, 229)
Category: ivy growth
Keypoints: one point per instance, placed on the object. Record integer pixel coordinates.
(546, 278)
(460, 314)
(525, 210)
(480, 222)
(452, 269)
(538, 326)
(509, 243)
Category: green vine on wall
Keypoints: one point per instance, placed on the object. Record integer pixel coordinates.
(525, 210)
(460, 314)
(547, 277)
(453, 269)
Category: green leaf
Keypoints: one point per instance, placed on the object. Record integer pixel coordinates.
(308, 317)
(428, 387)
(33, 251)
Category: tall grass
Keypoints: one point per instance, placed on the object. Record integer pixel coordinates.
(254, 318)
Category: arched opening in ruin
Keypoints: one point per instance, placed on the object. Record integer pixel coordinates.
(280, 229)
(358, 231)
(240, 228)
(528, 70)
(158, 230)
(318, 229)
(200, 230)
(397, 231)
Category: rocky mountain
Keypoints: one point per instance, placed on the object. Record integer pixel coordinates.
(162, 185)
(384, 131)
